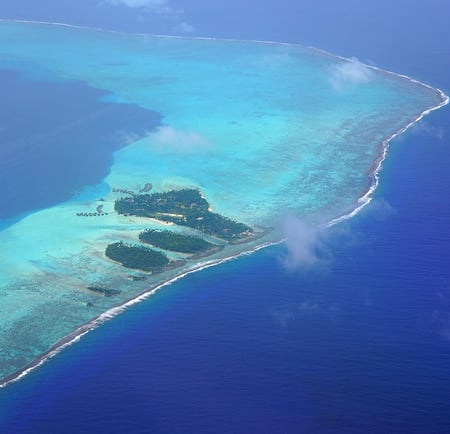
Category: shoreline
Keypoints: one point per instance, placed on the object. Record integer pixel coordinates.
(361, 202)
(88, 326)
(375, 169)
(232, 40)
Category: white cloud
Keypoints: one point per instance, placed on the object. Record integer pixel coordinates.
(154, 5)
(350, 73)
(381, 209)
(283, 317)
(185, 27)
(427, 129)
(280, 59)
(304, 244)
(162, 7)
(308, 309)
(169, 139)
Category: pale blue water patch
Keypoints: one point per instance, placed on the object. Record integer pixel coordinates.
(91, 193)
(263, 109)
(259, 128)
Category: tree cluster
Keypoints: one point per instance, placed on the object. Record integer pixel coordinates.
(136, 257)
(186, 208)
(175, 242)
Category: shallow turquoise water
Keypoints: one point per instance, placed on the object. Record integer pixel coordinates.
(261, 129)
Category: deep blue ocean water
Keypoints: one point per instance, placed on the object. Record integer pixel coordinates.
(359, 343)
(59, 125)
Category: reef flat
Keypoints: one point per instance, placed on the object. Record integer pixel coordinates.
(239, 133)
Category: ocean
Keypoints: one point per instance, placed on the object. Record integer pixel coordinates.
(75, 116)
(357, 342)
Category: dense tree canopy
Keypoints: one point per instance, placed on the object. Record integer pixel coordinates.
(176, 242)
(186, 208)
(136, 257)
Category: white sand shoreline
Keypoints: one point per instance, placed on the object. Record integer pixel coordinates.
(361, 202)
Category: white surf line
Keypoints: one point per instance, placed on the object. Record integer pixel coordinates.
(76, 335)
(234, 40)
(363, 201)
(209, 38)
(366, 198)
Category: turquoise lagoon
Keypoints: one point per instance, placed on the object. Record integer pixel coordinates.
(262, 129)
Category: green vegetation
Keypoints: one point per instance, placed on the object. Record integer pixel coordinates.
(216, 224)
(104, 291)
(136, 257)
(175, 202)
(176, 242)
(186, 208)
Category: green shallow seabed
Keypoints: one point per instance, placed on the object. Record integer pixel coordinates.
(261, 129)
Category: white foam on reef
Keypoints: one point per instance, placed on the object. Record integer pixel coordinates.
(367, 197)
(76, 335)
(253, 41)
(210, 38)
(363, 201)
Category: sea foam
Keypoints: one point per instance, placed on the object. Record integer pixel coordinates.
(280, 139)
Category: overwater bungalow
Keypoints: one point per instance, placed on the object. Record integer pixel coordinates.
(147, 187)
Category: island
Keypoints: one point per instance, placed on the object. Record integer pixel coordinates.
(297, 142)
(186, 207)
(175, 242)
(137, 257)
(104, 291)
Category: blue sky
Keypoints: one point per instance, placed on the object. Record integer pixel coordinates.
(378, 32)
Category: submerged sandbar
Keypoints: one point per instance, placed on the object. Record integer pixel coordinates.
(257, 129)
